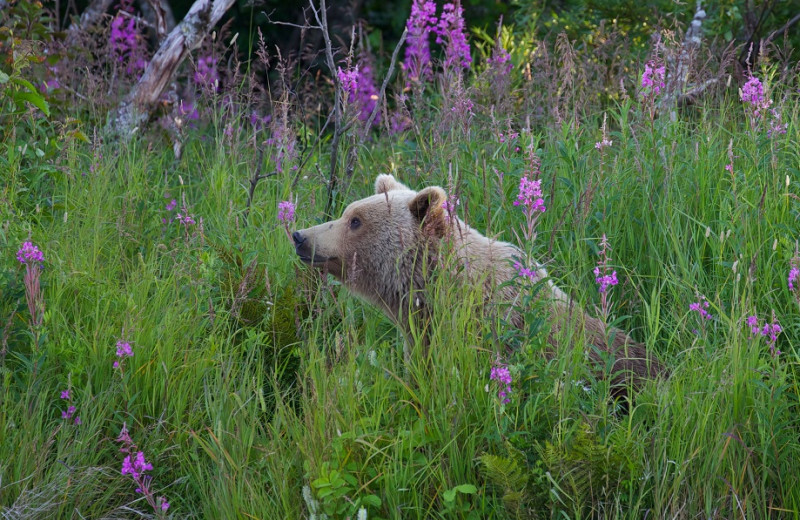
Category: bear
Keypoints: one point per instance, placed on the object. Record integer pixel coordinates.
(387, 247)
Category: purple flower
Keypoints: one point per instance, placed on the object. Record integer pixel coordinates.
(185, 219)
(417, 61)
(653, 77)
(124, 40)
(753, 93)
(135, 467)
(124, 437)
(530, 195)
(701, 308)
(360, 87)
(501, 374)
(164, 504)
(348, 78)
(776, 125)
(206, 74)
(172, 205)
(794, 275)
(124, 349)
(29, 254)
(286, 211)
(450, 32)
(604, 281)
(188, 111)
(500, 60)
(65, 394)
(602, 144)
(68, 413)
(524, 272)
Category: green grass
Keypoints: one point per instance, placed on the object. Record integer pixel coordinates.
(253, 379)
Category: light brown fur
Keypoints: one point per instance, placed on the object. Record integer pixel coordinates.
(386, 246)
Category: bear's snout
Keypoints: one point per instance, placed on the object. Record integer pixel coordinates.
(298, 239)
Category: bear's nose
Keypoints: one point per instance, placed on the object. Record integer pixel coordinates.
(298, 239)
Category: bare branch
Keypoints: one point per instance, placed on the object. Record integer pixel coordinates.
(389, 74)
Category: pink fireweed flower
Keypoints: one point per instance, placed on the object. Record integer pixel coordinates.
(530, 195)
(450, 31)
(525, 272)
(65, 394)
(604, 281)
(603, 144)
(124, 349)
(137, 466)
(753, 93)
(417, 61)
(286, 216)
(207, 74)
(500, 60)
(794, 273)
(172, 205)
(29, 254)
(359, 85)
(348, 78)
(164, 503)
(776, 125)
(68, 413)
(186, 220)
(286, 211)
(653, 78)
(701, 308)
(501, 374)
(768, 330)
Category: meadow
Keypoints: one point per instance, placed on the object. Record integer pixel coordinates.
(163, 352)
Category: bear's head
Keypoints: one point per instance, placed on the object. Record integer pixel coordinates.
(374, 247)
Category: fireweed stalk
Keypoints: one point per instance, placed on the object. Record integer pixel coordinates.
(531, 199)
(502, 376)
(768, 330)
(420, 24)
(286, 216)
(32, 258)
(652, 85)
(604, 280)
(136, 466)
(793, 279)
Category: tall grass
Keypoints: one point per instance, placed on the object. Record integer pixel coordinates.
(253, 378)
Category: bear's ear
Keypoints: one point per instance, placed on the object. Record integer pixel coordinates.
(385, 183)
(427, 208)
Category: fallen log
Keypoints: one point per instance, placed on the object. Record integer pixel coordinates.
(134, 110)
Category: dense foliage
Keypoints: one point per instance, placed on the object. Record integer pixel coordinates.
(163, 353)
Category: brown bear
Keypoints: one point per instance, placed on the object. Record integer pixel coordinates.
(386, 248)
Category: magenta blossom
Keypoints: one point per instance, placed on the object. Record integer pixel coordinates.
(29, 254)
(450, 31)
(417, 61)
(653, 77)
(501, 374)
(530, 195)
(794, 276)
(286, 211)
(701, 308)
(206, 74)
(753, 93)
(65, 394)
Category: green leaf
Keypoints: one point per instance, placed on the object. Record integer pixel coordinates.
(34, 99)
(467, 489)
(371, 500)
(4, 77)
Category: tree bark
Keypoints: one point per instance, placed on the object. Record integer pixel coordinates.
(89, 17)
(134, 110)
(678, 73)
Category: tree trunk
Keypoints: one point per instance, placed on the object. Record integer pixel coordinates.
(134, 110)
(89, 17)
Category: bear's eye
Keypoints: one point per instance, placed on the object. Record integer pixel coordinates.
(355, 223)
